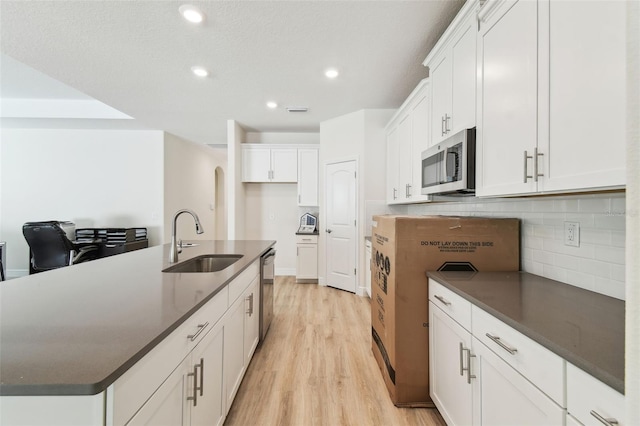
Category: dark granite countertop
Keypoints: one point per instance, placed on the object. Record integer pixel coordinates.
(581, 326)
(75, 330)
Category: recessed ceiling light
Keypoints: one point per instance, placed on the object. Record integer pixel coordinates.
(272, 105)
(199, 71)
(191, 13)
(331, 73)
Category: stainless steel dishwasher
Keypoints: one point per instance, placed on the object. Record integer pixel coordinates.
(267, 278)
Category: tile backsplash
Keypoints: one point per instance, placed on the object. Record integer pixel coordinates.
(598, 264)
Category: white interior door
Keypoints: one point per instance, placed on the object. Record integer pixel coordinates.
(341, 225)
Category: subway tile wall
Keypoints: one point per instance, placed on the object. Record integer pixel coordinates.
(598, 264)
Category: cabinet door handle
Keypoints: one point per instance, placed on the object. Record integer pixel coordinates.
(201, 328)
(446, 123)
(504, 346)
(395, 191)
(408, 190)
(603, 420)
(468, 368)
(251, 303)
(526, 175)
(201, 376)
(194, 398)
(442, 299)
(536, 154)
(442, 131)
(469, 375)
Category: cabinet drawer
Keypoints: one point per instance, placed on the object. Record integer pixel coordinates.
(240, 284)
(587, 398)
(306, 239)
(538, 364)
(455, 306)
(135, 386)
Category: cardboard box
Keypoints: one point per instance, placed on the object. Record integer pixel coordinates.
(403, 249)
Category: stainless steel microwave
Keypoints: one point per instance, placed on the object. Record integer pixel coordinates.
(449, 168)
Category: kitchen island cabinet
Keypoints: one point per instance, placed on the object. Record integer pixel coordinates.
(123, 341)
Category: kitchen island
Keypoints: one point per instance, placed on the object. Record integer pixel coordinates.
(75, 331)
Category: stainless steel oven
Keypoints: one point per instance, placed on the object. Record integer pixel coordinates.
(267, 279)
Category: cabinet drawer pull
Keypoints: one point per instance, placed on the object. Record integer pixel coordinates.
(442, 299)
(507, 348)
(201, 328)
(603, 420)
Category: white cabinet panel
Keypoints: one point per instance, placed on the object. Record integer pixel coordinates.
(453, 305)
(269, 164)
(452, 70)
(407, 137)
(284, 165)
(306, 258)
(208, 354)
(167, 405)
(588, 398)
(587, 110)
(507, 99)
(449, 382)
(504, 397)
(251, 320)
(392, 166)
(256, 165)
(233, 351)
(538, 364)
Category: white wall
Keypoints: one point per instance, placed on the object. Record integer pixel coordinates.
(359, 135)
(95, 178)
(235, 189)
(190, 182)
(272, 214)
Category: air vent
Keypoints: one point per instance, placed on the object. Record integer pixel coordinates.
(297, 109)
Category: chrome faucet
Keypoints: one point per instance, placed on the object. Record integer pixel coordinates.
(174, 250)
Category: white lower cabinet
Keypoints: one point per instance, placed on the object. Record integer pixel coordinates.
(471, 384)
(502, 396)
(306, 258)
(450, 388)
(251, 320)
(591, 402)
(192, 394)
(233, 351)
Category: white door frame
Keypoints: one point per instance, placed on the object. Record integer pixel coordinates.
(359, 289)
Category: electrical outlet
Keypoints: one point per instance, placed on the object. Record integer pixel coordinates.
(572, 234)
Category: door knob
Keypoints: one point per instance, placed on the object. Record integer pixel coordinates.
(328, 231)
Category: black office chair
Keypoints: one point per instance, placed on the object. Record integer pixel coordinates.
(51, 248)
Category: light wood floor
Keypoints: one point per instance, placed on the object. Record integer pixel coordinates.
(316, 367)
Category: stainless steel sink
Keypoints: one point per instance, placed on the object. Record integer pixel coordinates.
(205, 263)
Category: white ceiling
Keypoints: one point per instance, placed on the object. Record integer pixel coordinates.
(136, 56)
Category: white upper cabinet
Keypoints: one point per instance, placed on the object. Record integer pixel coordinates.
(452, 71)
(507, 99)
(407, 137)
(269, 164)
(392, 166)
(542, 120)
(587, 95)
